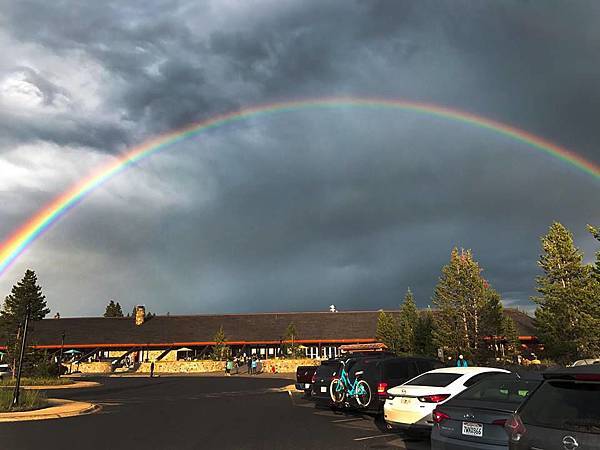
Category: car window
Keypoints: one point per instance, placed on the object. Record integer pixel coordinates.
(477, 378)
(498, 390)
(398, 369)
(439, 379)
(565, 405)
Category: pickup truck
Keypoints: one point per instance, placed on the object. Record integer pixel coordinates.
(304, 378)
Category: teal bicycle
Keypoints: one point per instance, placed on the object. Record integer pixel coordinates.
(342, 389)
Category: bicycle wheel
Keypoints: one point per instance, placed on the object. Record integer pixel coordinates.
(363, 394)
(337, 391)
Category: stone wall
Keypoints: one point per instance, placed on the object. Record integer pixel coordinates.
(287, 365)
(91, 367)
(183, 366)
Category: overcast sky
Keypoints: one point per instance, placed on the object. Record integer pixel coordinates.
(299, 210)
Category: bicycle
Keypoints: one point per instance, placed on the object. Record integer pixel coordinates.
(341, 388)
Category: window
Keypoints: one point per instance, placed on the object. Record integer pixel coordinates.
(499, 389)
(565, 405)
(440, 379)
(477, 378)
(398, 369)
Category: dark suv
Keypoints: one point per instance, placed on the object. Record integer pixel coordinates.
(383, 373)
(563, 413)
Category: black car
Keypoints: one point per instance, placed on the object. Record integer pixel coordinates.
(475, 418)
(331, 368)
(563, 413)
(322, 380)
(385, 372)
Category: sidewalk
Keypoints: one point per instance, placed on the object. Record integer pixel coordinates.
(58, 409)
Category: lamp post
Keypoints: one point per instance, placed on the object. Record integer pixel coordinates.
(15, 401)
(62, 347)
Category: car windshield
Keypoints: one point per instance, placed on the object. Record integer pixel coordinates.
(565, 405)
(439, 379)
(498, 390)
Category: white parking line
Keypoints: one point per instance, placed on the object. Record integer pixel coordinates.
(373, 437)
(347, 420)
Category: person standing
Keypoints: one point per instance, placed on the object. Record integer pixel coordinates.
(228, 366)
(152, 369)
(254, 365)
(461, 361)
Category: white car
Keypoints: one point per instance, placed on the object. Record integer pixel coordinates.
(409, 406)
(4, 371)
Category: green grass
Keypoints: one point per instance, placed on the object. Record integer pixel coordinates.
(28, 400)
(36, 381)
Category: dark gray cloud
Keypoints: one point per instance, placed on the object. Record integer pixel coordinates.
(304, 209)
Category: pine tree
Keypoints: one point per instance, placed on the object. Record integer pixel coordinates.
(291, 348)
(220, 350)
(467, 306)
(424, 344)
(512, 344)
(25, 293)
(596, 267)
(113, 310)
(387, 332)
(407, 323)
(567, 314)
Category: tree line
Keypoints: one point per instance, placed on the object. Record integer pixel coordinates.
(469, 317)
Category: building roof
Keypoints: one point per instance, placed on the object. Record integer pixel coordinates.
(161, 331)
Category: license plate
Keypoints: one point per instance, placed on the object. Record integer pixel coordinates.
(323, 388)
(472, 429)
(405, 400)
(306, 386)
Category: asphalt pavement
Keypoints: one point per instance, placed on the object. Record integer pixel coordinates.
(200, 413)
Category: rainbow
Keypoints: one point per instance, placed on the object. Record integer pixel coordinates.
(25, 235)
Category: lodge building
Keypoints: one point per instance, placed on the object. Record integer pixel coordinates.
(319, 334)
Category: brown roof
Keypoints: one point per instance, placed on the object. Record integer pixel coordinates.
(160, 331)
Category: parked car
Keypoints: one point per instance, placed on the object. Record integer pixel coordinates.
(475, 418)
(385, 372)
(563, 413)
(304, 377)
(321, 381)
(409, 407)
(586, 362)
(5, 371)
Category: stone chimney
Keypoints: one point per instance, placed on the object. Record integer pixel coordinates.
(140, 314)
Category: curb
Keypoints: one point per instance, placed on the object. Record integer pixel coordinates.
(76, 385)
(59, 409)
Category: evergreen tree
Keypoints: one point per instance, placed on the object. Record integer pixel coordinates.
(424, 344)
(291, 348)
(113, 310)
(220, 350)
(25, 293)
(387, 331)
(596, 267)
(467, 306)
(407, 323)
(512, 344)
(567, 315)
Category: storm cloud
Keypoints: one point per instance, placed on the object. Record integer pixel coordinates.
(302, 209)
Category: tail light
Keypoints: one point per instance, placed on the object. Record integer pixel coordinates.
(515, 428)
(438, 416)
(587, 377)
(382, 389)
(437, 398)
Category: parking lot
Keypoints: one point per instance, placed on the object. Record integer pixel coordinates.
(200, 413)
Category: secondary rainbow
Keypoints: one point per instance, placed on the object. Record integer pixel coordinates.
(27, 233)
